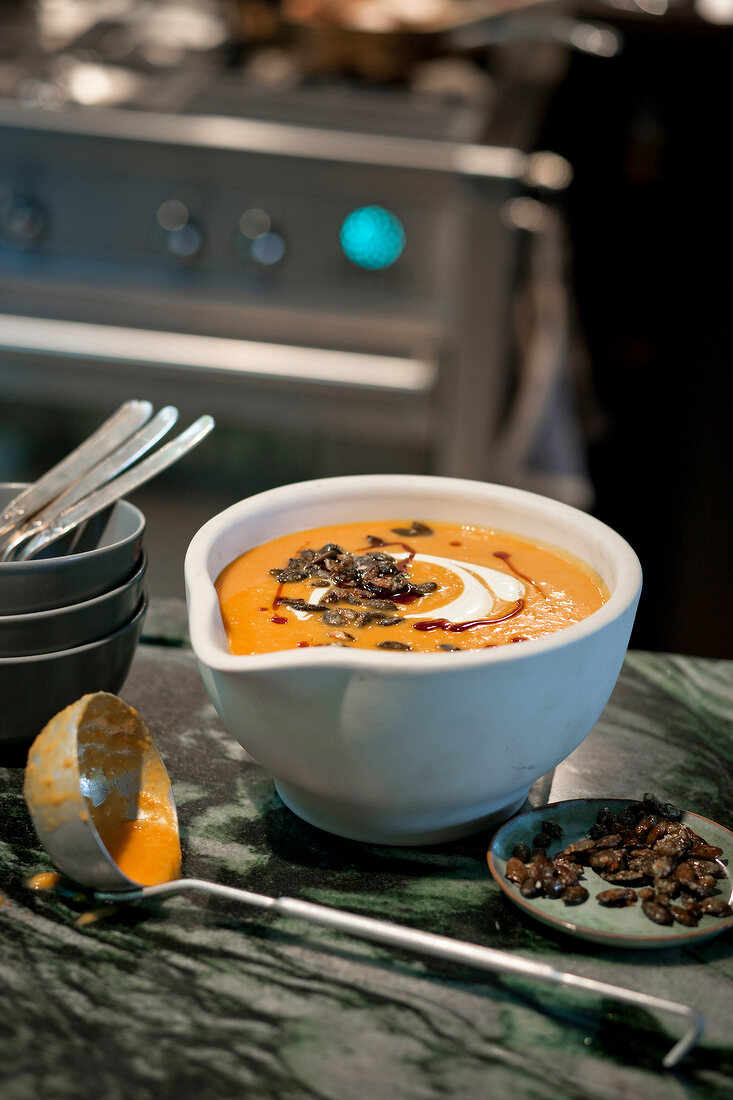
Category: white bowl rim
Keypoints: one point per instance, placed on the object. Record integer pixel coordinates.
(65, 561)
(203, 601)
(59, 654)
(29, 618)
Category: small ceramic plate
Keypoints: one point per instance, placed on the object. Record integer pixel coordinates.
(627, 927)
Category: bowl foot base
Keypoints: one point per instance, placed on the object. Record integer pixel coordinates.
(379, 829)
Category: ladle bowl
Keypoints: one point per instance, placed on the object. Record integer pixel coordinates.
(95, 777)
(92, 771)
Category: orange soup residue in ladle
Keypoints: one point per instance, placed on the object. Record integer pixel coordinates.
(147, 849)
(136, 820)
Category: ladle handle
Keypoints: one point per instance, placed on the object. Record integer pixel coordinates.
(428, 943)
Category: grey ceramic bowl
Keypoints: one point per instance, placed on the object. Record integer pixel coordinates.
(57, 578)
(35, 688)
(78, 624)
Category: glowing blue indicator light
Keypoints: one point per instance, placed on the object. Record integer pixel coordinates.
(372, 238)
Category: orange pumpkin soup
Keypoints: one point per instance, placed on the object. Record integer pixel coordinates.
(402, 585)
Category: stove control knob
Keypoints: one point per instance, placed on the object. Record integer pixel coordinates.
(22, 221)
(180, 235)
(257, 242)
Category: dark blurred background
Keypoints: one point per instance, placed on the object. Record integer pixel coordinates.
(651, 233)
(562, 331)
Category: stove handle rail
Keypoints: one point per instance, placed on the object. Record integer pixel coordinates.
(213, 356)
(497, 164)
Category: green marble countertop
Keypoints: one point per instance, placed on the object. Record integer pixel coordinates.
(196, 997)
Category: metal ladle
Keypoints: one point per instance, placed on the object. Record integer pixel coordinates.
(97, 760)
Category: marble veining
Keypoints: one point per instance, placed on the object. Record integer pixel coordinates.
(195, 997)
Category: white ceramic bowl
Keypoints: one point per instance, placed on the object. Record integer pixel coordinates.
(411, 748)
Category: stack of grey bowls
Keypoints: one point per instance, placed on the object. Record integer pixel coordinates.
(70, 620)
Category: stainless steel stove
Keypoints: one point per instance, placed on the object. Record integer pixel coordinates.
(329, 264)
(324, 257)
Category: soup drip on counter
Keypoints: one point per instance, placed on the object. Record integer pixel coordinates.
(402, 586)
(44, 880)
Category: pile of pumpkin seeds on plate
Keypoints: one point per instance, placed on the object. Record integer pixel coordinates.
(643, 851)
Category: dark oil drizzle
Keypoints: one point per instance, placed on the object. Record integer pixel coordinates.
(404, 597)
(506, 557)
(279, 619)
(446, 624)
